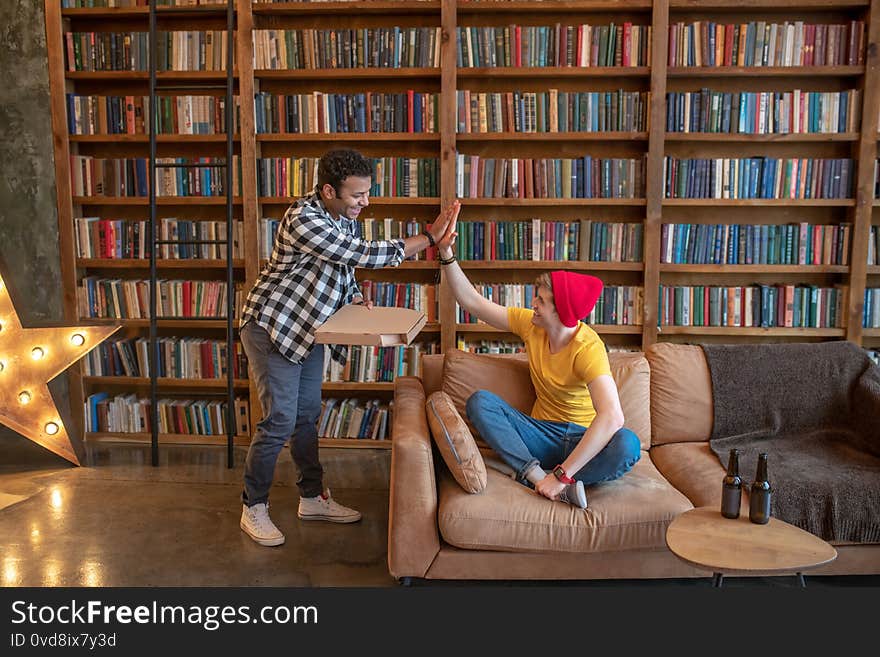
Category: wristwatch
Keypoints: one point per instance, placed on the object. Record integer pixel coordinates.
(559, 473)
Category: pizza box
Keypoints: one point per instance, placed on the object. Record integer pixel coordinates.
(386, 327)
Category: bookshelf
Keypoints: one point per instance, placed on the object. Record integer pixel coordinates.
(644, 79)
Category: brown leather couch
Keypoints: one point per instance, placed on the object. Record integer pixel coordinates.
(439, 531)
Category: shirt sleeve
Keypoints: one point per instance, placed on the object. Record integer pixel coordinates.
(520, 320)
(311, 233)
(591, 361)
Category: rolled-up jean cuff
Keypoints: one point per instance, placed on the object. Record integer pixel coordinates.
(521, 475)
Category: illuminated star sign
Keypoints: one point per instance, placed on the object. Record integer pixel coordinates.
(29, 359)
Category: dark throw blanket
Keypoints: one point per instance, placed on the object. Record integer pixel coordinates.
(815, 410)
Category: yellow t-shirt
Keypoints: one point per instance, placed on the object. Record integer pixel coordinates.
(561, 379)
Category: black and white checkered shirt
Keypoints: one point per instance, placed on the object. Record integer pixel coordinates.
(311, 275)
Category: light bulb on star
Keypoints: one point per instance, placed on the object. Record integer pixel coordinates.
(29, 359)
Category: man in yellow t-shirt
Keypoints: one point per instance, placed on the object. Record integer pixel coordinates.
(575, 429)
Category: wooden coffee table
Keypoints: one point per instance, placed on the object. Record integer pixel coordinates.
(705, 539)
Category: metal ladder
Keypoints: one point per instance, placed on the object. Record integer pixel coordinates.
(157, 243)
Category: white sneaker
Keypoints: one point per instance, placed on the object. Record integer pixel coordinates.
(256, 523)
(324, 507)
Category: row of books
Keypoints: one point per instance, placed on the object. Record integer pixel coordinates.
(392, 176)
(586, 177)
(114, 4)
(354, 418)
(179, 358)
(320, 112)
(552, 111)
(126, 115)
(618, 305)
(418, 296)
(764, 112)
(130, 298)
(802, 306)
(489, 346)
(120, 238)
(874, 246)
(762, 43)
(763, 244)
(758, 177)
(872, 308)
(129, 413)
(190, 50)
(377, 47)
(542, 240)
(175, 176)
(371, 363)
(554, 45)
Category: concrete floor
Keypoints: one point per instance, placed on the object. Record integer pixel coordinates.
(121, 522)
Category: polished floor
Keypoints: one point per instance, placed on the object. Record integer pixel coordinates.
(121, 522)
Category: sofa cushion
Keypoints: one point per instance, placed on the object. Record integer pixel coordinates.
(632, 374)
(464, 373)
(681, 393)
(629, 513)
(455, 443)
(693, 469)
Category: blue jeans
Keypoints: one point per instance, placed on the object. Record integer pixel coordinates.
(290, 395)
(523, 442)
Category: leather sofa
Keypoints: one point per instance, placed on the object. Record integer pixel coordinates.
(437, 531)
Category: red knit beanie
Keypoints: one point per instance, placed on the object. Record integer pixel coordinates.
(575, 295)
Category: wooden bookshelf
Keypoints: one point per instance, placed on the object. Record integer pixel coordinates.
(650, 209)
(165, 383)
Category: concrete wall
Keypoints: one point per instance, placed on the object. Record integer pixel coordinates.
(29, 252)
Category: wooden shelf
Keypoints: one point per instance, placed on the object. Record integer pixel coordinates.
(142, 263)
(374, 200)
(763, 71)
(160, 200)
(357, 386)
(551, 202)
(560, 6)
(404, 73)
(144, 76)
(164, 439)
(576, 265)
(599, 328)
(551, 136)
(371, 137)
(760, 202)
(871, 332)
(496, 72)
(162, 323)
(734, 331)
(165, 382)
(754, 269)
(761, 139)
(410, 7)
(198, 11)
(145, 139)
(874, 270)
(357, 443)
(741, 5)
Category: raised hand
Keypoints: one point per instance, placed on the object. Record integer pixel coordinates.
(445, 220)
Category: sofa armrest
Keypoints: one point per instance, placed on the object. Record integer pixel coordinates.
(413, 536)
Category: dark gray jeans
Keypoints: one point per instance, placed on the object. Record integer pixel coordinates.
(290, 395)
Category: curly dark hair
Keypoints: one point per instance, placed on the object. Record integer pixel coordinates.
(335, 166)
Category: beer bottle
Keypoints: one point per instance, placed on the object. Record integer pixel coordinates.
(759, 496)
(731, 488)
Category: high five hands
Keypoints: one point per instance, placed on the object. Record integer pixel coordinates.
(444, 229)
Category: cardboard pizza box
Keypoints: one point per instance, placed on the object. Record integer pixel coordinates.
(386, 327)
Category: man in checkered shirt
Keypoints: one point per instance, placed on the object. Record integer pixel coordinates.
(309, 276)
